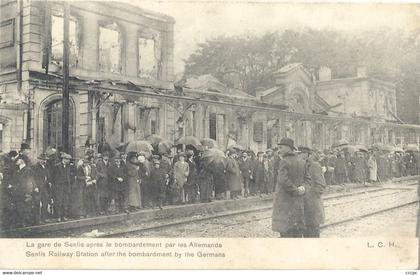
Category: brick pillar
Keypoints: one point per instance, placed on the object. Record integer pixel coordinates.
(131, 50)
(90, 47)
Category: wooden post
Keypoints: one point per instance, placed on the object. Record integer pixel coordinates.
(66, 97)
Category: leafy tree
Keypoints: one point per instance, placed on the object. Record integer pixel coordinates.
(249, 61)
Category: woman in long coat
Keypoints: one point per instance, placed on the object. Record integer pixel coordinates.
(373, 169)
(360, 167)
(133, 179)
(181, 171)
(77, 208)
(288, 216)
(233, 176)
(313, 204)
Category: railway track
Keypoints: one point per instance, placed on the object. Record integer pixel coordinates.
(113, 229)
(232, 214)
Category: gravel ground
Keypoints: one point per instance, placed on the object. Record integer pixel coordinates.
(398, 222)
(259, 224)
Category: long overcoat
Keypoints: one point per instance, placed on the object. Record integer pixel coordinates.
(288, 204)
(373, 169)
(102, 181)
(133, 180)
(360, 168)
(115, 172)
(313, 205)
(78, 189)
(233, 175)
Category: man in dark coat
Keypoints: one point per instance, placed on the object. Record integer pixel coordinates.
(61, 184)
(102, 183)
(313, 205)
(288, 209)
(246, 172)
(233, 176)
(259, 172)
(340, 169)
(8, 206)
(43, 183)
(158, 182)
(24, 188)
(118, 183)
(191, 187)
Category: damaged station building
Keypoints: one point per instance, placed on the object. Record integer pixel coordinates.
(122, 88)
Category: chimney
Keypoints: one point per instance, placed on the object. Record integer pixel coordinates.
(361, 72)
(324, 73)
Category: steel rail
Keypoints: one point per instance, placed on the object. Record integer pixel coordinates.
(231, 214)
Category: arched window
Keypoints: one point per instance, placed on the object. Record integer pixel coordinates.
(52, 125)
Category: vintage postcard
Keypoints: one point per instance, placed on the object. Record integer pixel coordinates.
(177, 134)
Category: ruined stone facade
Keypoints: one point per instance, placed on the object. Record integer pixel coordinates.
(121, 83)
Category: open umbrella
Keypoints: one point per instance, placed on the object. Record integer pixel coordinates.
(349, 148)
(341, 142)
(388, 148)
(398, 149)
(361, 147)
(213, 157)
(189, 140)
(236, 147)
(164, 147)
(209, 142)
(155, 139)
(140, 146)
(412, 147)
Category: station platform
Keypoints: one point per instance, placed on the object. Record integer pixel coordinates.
(183, 211)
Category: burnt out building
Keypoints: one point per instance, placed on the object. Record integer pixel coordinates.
(122, 88)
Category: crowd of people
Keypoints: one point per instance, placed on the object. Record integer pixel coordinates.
(341, 166)
(57, 187)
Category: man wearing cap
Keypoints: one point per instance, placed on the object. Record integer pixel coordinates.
(43, 183)
(61, 184)
(288, 208)
(246, 171)
(313, 205)
(102, 166)
(181, 172)
(24, 187)
(24, 152)
(260, 180)
(158, 183)
(118, 183)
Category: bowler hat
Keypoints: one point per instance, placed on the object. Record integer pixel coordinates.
(24, 146)
(287, 142)
(130, 155)
(43, 156)
(304, 149)
(117, 155)
(65, 156)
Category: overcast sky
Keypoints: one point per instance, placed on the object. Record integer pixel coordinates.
(198, 20)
